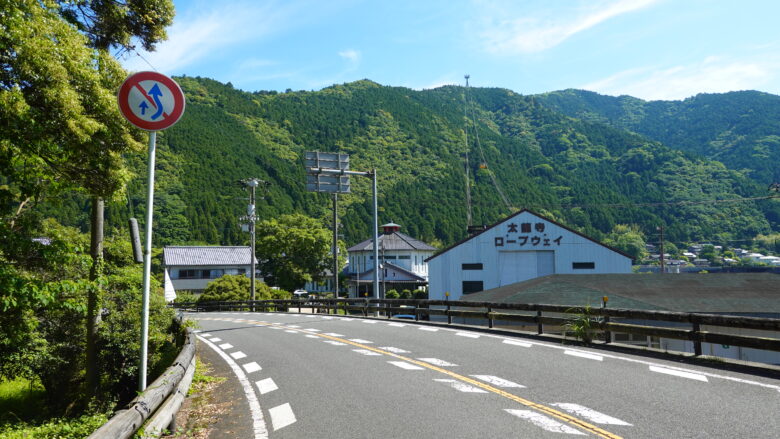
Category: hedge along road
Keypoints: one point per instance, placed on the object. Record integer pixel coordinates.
(331, 376)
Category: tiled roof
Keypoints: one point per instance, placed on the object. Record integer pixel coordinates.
(206, 255)
(392, 241)
(708, 293)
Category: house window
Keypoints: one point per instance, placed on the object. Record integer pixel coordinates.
(405, 257)
(583, 265)
(189, 274)
(475, 266)
(472, 286)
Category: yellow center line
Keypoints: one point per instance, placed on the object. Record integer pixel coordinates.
(536, 406)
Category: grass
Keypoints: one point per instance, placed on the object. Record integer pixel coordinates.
(23, 415)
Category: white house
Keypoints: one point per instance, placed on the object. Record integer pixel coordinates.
(402, 259)
(191, 268)
(521, 247)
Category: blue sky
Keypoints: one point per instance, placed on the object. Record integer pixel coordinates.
(651, 49)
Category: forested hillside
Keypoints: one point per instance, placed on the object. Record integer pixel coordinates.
(586, 174)
(739, 129)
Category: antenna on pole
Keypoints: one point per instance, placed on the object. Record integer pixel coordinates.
(467, 76)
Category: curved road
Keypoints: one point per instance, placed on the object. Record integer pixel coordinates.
(325, 376)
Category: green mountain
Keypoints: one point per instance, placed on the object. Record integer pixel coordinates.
(740, 129)
(586, 174)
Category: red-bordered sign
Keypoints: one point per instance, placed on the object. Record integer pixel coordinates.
(151, 101)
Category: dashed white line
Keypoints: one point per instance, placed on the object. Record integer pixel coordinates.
(333, 334)
(394, 350)
(252, 367)
(467, 334)
(258, 423)
(498, 382)
(310, 316)
(205, 335)
(428, 328)
(326, 318)
(543, 421)
(312, 336)
(215, 339)
(312, 330)
(398, 325)
(371, 322)
(366, 352)
(461, 386)
(592, 415)
(345, 319)
(361, 341)
(238, 355)
(405, 365)
(518, 343)
(334, 343)
(265, 386)
(282, 416)
(584, 355)
(679, 373)
(437, 362)
(225, 346)
(291, 331)
(293, 326)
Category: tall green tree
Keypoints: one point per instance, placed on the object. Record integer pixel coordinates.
(629, 239)
(295, 249)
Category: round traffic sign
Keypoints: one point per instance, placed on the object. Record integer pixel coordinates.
(151, 101)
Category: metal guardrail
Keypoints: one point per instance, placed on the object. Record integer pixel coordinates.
(158, 404)
(600, 318)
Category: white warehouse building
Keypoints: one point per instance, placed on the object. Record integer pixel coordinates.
(521, 247)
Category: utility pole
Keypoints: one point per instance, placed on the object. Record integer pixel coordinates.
(663, 265)
(251, 216)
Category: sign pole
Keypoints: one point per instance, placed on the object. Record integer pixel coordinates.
(147, 261)
(335, 247)
(376, 237)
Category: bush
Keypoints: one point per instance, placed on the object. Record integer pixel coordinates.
(392, 294)
(406, 294)
(229, 287)
(420, 295)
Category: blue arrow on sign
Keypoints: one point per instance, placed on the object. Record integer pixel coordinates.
(155, 93)
(143, 107)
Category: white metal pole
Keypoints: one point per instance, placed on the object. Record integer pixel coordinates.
(147, 262)
(376, 239)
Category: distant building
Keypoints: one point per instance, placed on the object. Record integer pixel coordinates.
(191, 268)
(402, 263)
(523, 246)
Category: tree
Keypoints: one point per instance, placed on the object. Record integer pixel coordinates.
(629, 239)
(228, 287)
(295, 249)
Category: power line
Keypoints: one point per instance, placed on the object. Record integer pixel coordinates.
(656, 204)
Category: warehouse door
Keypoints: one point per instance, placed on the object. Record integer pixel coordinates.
(519, 266)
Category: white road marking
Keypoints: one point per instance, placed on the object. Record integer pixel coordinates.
(215, 339)
(361, 341)
(518, 343)
(543, 421)
(266, 385)
(252, 367)
(258, 423)
(590, 414)
(584, 355)
(437, 362)
(225, 346)
(366, 352)
(326, 318)
(498, 382)
(461, 386)
(293, 326)
(310, 316)
(334, 343)
(312, 330)
(312, 336)
(467, 334)
(345, 319)
(282, 416)
(394, 350)
(428, 328)
(333, 334)
(291, 331)
(405, 365)
(398, 325)
(238, 355)
(679, 373)
(205, 335)
(369, 321)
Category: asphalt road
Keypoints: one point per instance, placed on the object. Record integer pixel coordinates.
(307, 376)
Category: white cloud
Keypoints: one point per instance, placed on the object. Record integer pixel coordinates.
(535, 34)
(197, 36)
(712, 75)
(351, 55)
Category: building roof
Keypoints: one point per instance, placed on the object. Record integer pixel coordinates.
(708, 293)
(392, 241)
(207, 255)
(501, 221)
(368, 275)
